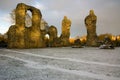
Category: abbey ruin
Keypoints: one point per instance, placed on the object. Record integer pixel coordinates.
(21, 36)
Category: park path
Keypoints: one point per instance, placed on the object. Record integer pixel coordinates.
(91, 69)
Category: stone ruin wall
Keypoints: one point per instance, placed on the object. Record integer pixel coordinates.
(20, 36)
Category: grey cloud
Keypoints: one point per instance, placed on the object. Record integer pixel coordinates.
(6, 5)
(106, 10)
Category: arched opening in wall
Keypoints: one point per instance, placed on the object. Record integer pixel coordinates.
(47, 36)
(28, 19)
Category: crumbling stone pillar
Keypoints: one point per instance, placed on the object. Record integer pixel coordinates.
(16, 32)
(20, 36)
(90, 22)
(52, 31)
(64, 38)
(33, 34)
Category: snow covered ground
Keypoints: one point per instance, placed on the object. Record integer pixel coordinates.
(60, 64)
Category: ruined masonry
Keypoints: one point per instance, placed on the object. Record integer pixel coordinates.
(90, 22)
(64, 38)
(20, 36)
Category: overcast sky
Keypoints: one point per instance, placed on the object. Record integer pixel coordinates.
(53, 11)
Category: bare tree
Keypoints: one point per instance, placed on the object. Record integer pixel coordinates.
(12, 15)
(28, 21)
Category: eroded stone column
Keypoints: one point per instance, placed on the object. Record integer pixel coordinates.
(33, 34)
(52, 31)
(90, 22)
(16, 32)
(66, 24)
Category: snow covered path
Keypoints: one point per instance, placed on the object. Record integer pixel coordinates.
(66, 63)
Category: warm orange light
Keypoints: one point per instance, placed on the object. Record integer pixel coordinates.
(118, 37)
(83, 38)
(113, 38)
(72, 40)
